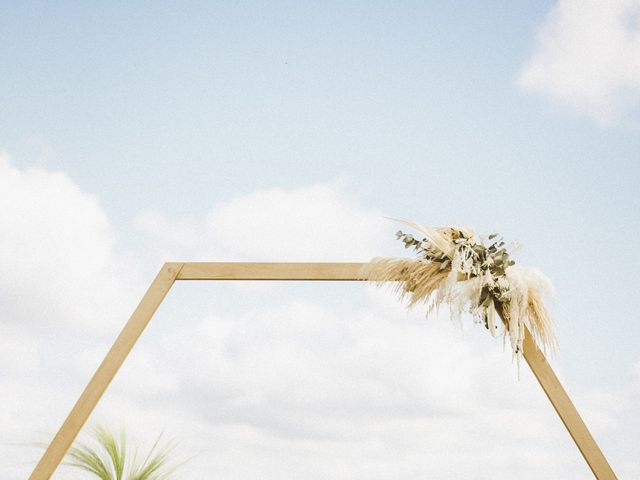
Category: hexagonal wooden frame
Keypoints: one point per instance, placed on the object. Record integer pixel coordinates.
(170, 272)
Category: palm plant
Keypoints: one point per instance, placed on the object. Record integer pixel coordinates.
(111, 459)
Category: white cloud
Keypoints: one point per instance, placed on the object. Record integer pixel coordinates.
(587, 57)
(306, 390)
(63, 286)
(20, 352)
(293, 388)
(315, 223)
(57, 253)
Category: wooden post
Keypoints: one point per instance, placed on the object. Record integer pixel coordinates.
(105, 372)
(566, 410)
(281, 271)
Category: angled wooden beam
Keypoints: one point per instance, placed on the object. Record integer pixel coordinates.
(281, 271)
(566, 410)
(106, 371)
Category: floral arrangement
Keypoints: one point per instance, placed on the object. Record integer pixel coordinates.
(454, 267)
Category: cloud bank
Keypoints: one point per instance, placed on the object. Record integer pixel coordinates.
(295, 387)
(315, 223)
(57, 250)
(587, 57)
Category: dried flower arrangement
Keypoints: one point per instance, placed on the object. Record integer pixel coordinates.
(456, 268)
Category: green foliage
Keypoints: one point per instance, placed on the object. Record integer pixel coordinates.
(112, 459)
(474, 259)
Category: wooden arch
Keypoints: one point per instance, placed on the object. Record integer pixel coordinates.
(170, 272)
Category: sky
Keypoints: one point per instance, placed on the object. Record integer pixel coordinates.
(134, 133)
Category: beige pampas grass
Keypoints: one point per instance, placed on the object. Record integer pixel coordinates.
(469, 277)
(414, 280)
(541, 324)
(527, 288)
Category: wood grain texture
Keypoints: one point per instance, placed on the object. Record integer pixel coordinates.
(270, 271)
(106, 371)
(566, 410)
(287, 272)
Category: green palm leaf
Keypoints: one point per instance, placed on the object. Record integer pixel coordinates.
(108, 458)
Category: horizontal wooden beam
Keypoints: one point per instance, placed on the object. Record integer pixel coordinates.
(270, 271)
(280, 271)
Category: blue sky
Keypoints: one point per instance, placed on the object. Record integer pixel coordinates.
(137, 133)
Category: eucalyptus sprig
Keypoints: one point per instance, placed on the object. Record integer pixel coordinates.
(478, 277)
(473, 259)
